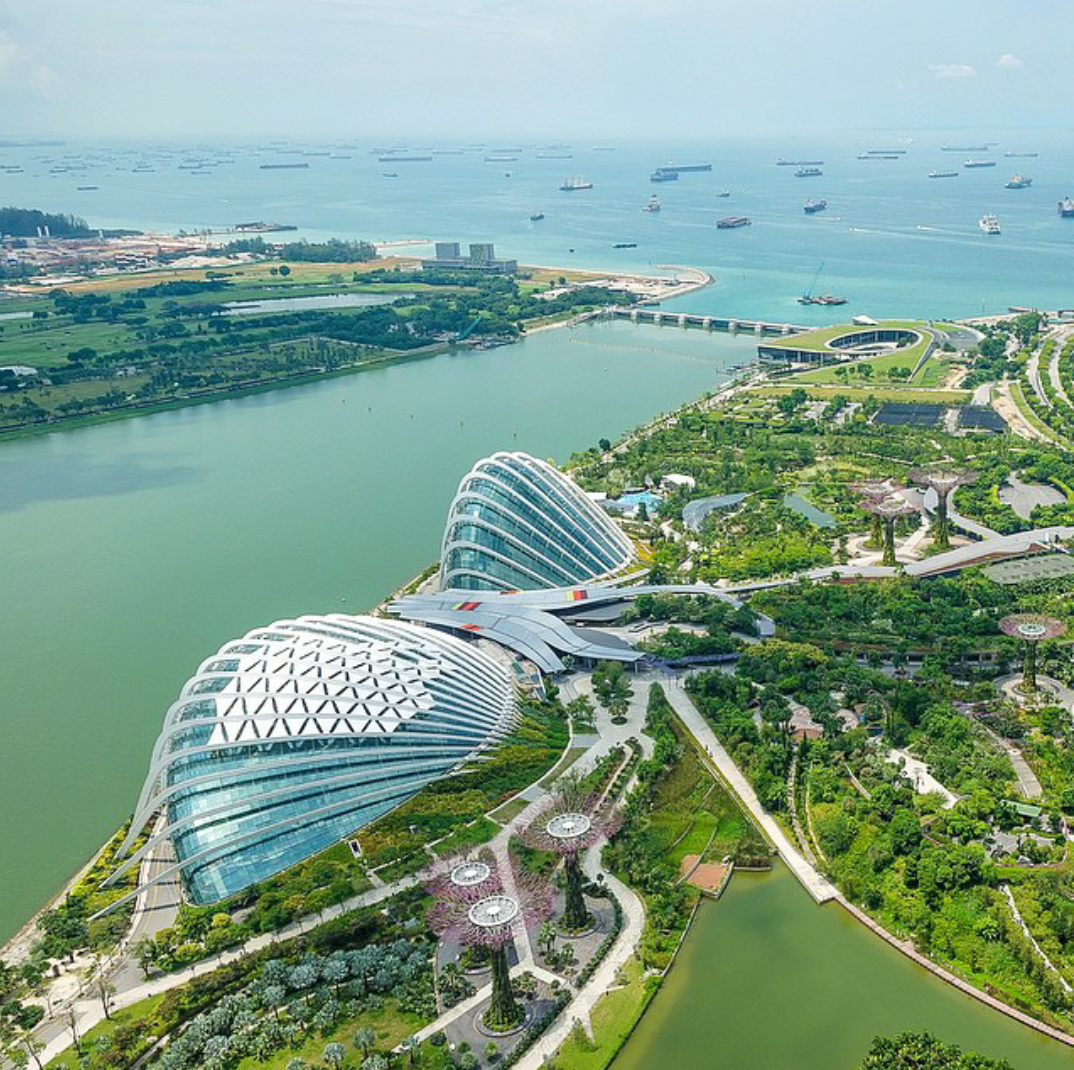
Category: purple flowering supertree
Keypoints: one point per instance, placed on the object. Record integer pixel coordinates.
(477, 909)
(568, 825)
(875, 490)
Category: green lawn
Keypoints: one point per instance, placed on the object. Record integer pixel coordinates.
(481, 831)
(568, 759)
(613, 1019)
(930, 374)
(509, 810)
(859, 392)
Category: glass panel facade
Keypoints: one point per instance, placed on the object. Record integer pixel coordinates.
(518, 523)
(289, 743)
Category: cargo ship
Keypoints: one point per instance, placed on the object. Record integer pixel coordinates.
(572, 184)
(810, 207)
(499, 158)
(989, 223)
(536, 217)
(1066, 207)
(732, 221)
(799, 163)
(979, 163)
(660, 175)
(386, 159)
(878, 156)
(808, 172)
(1018, 182)
(943, 174)
(963, 148)
(284, 166)
(1021, 155)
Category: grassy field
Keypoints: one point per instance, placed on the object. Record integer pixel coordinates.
(1031, 418)
(509, 810)
(613, 1019)
(821, 336)
(856, 392)
(568, 759)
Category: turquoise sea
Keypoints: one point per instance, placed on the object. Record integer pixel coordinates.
(893, 241)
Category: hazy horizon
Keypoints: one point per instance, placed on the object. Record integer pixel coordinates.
(486, 68)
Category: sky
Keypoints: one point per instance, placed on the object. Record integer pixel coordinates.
(599, 68)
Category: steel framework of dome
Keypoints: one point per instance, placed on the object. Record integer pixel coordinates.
(517, 523)
(303, 732)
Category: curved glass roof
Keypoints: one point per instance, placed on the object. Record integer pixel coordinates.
(517, 523)
(303, 732)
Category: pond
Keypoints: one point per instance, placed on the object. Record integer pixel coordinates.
(767, 979)
(313, 302)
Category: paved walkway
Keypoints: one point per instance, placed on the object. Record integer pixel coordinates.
(818, 887)
(917, 772)
(1028, 784)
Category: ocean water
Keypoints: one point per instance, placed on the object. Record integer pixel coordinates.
(892, 241)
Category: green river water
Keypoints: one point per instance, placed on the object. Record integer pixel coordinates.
(767, 980)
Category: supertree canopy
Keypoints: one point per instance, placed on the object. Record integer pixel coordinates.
(1031, 628)
(943, 481)
(875, 490)
(888, 510)
(474, 907)
(568, 825)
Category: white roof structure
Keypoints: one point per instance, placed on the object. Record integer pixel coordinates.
(304, 731)
(517, 523)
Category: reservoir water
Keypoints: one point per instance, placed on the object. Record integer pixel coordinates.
(132, 550)
(767, 979)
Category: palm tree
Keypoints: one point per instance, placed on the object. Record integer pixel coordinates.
(296, 1064)
(375, 1062)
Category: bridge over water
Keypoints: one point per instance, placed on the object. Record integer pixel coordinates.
(705, 323)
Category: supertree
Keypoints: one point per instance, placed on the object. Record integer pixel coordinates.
(568, 825)
(943, 481)
(888, 510)
(474, 907)
(875, 490)
(1031, 629)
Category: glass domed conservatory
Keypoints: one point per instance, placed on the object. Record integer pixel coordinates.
(303, 732)
(516, 523)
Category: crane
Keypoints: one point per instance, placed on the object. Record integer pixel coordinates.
(807, 297)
